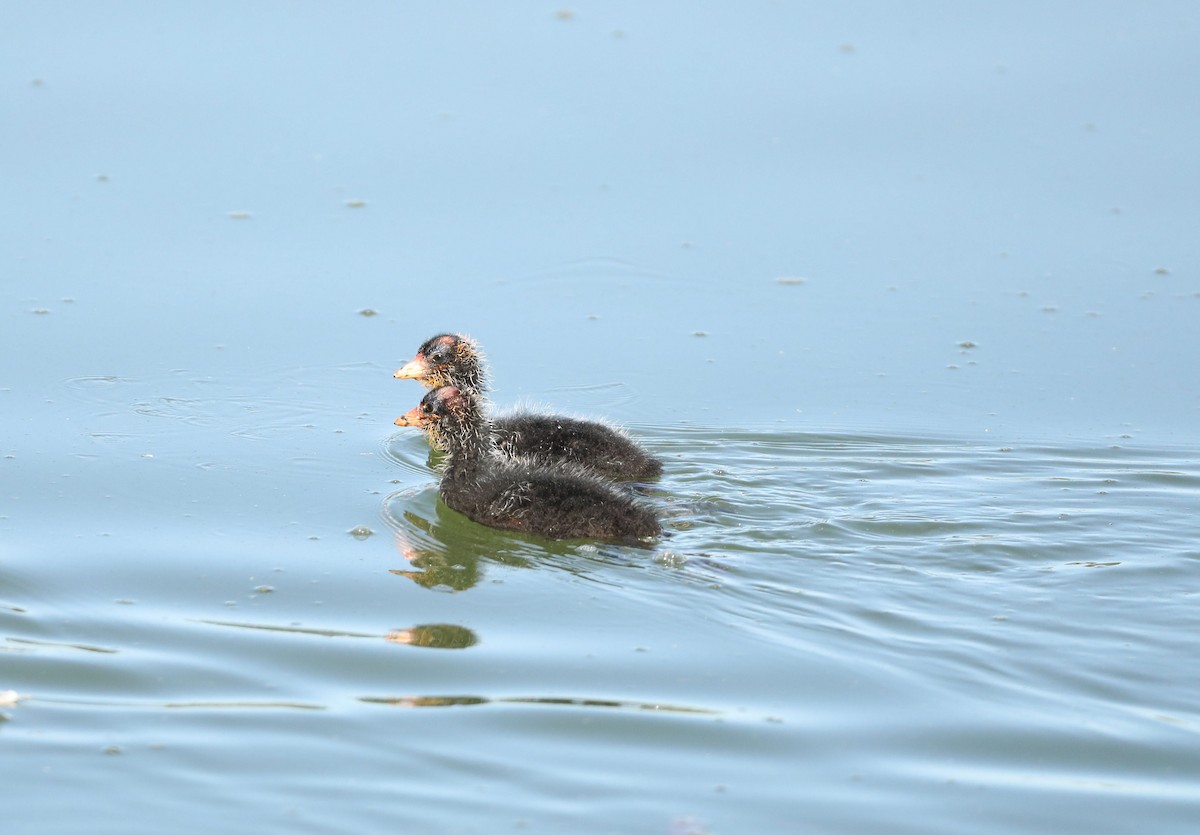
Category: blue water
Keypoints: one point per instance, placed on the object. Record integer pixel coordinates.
(903, 296)
(841, 632)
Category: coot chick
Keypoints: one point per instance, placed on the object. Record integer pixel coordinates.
(450, 359)
(559, 501)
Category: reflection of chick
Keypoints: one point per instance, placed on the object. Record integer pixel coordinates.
(432, 568)
(454, 360)
(560, 502)
(434, 636)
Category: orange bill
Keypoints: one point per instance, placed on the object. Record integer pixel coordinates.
(413, 417)
(414, 370)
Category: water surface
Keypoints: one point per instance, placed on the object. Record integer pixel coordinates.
(904, 297)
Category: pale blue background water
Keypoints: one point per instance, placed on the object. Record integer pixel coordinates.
(905, 295)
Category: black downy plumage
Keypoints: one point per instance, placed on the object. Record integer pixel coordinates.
(560, 501)
(454, 360)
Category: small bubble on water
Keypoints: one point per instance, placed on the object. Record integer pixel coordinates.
(671, 559)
